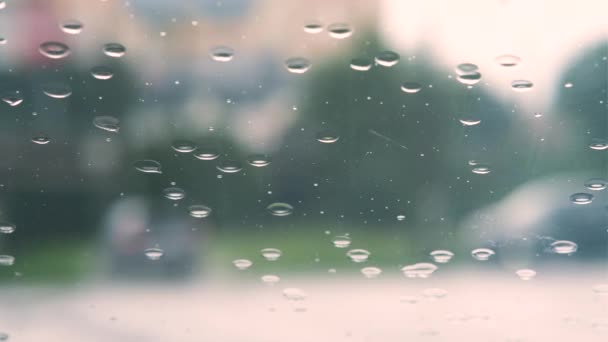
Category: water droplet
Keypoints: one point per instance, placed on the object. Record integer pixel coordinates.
(482, 254)
(563, 247)
(102, 72)
(147, 166)
(341, 241)
(387, 58)
(259, 160)
(6, 227)
(508, 61)
(600, 289)
(434, 293)
(371, 272)
(4, 336)
(470, 78)
(154, 253)
(400, 217)
(183, 146)
(221, 53)
(525, 274)
(54, 50)
(599, 144)
(339, 30)
(71, 26)
(294, 294)
(206, 153)
(7, 260)
(411, 87)
(297, 65)
(3, 41)
(361, 63)
(174, 193)
(568, 85)
(521, 85)
(2, 4)
(581, 198)
(57, 90)
(442, 256)
(280, 209)
(107, 123)
(466, 68)
(328, 136)
(596, 184)
(199, 211)
(409, 299)
(469, 121)
(41, 140)
(481, 169)
(114, 50)
(419, 270)
(270, 279)
(242, 264)
(12, 98)
(313, 27)
(358, 255)
(538, 115)
(271, 254)
(230, 166)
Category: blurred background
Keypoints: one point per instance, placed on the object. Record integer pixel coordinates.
(157, 156)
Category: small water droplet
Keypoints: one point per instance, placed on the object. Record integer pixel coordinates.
(466, 68)
(525, 274)
(568, 85)
(199, 211)
(2, 4)
(3, 41)
(6, 227)
(361, 63)
(221, 53)
(174, 193)
(258, 160)
(313, 27)
(480, 169)
(358, 255)
(102, 72)
(598, 144)
(183, 146)
(107, 123)
(230, 166)
(563, 247)
(441, 256)
(271, 254)
(294, 294)
(600, 289)
(54, 50)
(327, 136)
(341, 241)
(434, 293)
(148, 166)
(596, 184)
(387, 58)
(521, 85)
(41, 140)
(581, 198)
(419, 270)
(71, 26)
(482, 254)
(508, 61)
(114, 50)
(242, 264)
(57, 90)
(297, 65)
(469, 78)
(468, 121)
(154, 253)
(339, 30)
(280, 209)
(409, 299)
(3, 336)
(371, 272)
(7, 260)
(400, 217)
(12, 98)
(270, 279)
(206, 153)
(411, 87)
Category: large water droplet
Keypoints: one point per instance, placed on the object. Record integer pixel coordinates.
(230, 166)
(258, 160)
(297, 65)
(102, 72)
(313, 27)
(6, 227)
(470, 78)
(71, 26)
(2, 4)
(341, 241)
(581, 198)
(174, 193)
(294, 293)
(358, 255)
(441, 256)
(154, 253)
(387, 58)
(199, 211)
(339, 30)
(221, 53)
(242, 264)
(525, 274)
(419, 270)
(596, 184)
(482, 254)
(7, 260)
(12, 98)
(57, 90)
(466, 68)
(508, 61)
(361, 63)
(271, 254)
(563, 247)
(280, 209)
(148, 166)
(54, 50)
(41, 140)
(183, 146)
(107, 123)
(328, 136)
(411, 87)
(598, 144)
(270, 279)
(115, 50)
(521, 85)
(206, 153)
(371, 272)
